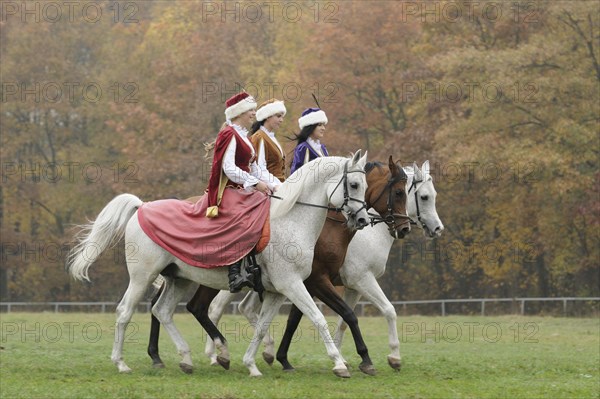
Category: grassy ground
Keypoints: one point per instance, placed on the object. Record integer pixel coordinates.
(47, 355)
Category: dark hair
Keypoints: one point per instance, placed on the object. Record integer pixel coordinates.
(256, 125)
(305, 133)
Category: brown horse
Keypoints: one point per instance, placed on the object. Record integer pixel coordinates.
(386, 194)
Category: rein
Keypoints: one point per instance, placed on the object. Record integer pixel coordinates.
(347, 197)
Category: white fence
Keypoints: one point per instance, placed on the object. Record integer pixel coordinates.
(360, 308)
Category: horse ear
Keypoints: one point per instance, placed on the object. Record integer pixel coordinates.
(393, 167)
(416, 171)
(356, 157)
(363, 161)
(425, 168)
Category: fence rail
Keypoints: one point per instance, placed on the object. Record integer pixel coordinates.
(360, 308)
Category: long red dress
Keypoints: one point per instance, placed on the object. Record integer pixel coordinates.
(183, 228)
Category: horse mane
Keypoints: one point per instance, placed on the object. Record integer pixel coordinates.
(381, 166)
(294, 185)
(371, 165)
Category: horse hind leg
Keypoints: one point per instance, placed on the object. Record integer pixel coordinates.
(154, 335)
(174, 290)
(271, 304)
(371, 291)
(215, 311)
(125, 309)
(198, 306)
(250, 307)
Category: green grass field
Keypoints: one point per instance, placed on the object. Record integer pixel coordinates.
(47, 355)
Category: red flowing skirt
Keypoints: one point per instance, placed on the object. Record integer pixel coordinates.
(182, 228)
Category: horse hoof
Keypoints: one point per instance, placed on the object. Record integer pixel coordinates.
(342, 373)
(158, 365)
(367, 369)
(267, 357)
(290, 370)
(186, 368)
(395, 363)
(223, 362)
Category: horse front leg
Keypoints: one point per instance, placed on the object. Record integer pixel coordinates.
(299, 296)
(325, 291)
(351, 297)
(290, 328)
(271, 304)
(370, 289)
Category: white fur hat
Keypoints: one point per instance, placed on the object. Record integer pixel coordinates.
(312, 116)
(270, 108)
(239, 104)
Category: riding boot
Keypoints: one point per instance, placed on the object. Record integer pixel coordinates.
(254, 269)
(236, 279)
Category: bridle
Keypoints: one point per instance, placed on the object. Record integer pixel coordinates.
(414, 184)
(347, 197)
(390, 217)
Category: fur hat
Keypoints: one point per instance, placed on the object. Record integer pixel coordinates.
(312, 116)
(270, 108)
(239, 104)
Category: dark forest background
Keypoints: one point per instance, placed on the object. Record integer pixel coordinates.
(502, 98)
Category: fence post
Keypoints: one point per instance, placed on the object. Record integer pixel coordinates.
(443, 308)
(522, 307)
(482, 307)
(565, 307)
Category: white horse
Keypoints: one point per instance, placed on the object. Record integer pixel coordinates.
(368, 252)
(296, 222)
(365, 262)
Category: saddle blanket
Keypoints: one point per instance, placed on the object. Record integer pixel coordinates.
(182, 228)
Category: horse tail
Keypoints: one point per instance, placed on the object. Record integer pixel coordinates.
(105, 231)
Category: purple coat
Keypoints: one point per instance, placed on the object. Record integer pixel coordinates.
(304, 153)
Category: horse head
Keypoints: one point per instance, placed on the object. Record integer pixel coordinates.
(387, 195)
(348, 192)
(421, 201)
